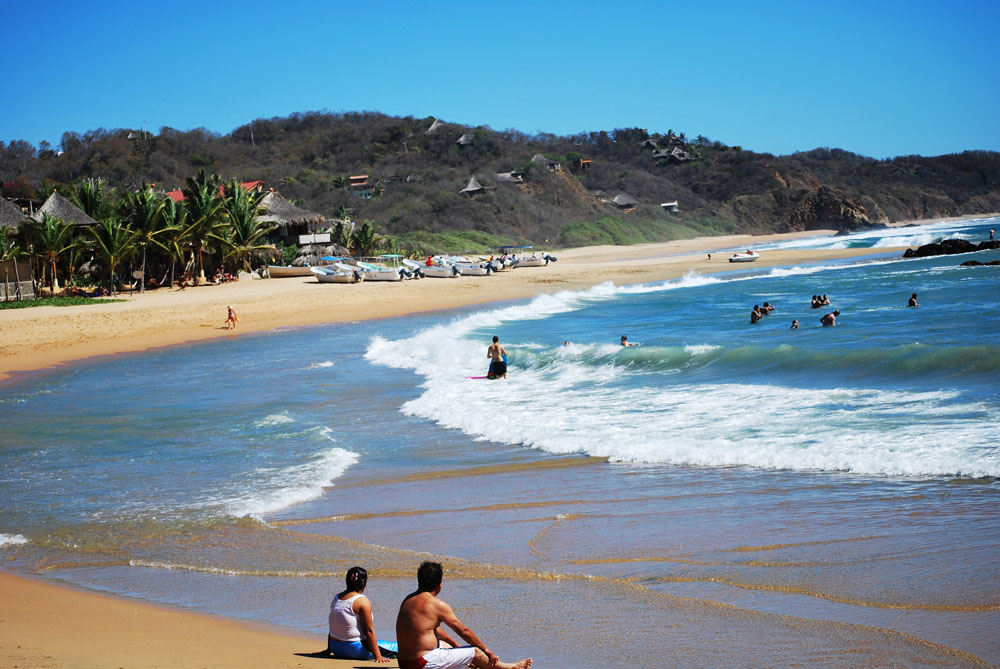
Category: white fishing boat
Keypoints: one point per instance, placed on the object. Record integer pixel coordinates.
(749, 256)
(278, 272)
(438, 270)
(470, 267)
(327, 274)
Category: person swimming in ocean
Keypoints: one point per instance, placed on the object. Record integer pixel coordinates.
(498, 357)
(795, 325)
(755, 315)
(626, 342)
(830, 319)
(913, 301)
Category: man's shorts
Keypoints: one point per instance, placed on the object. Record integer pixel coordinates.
(442, 658)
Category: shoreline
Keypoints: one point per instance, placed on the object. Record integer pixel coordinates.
(39, 338)
(99, 629)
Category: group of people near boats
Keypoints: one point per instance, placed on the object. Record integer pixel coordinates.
(421, 642)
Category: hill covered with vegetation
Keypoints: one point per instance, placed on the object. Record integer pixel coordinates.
(598, 187)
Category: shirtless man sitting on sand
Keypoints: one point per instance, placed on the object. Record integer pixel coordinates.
(419, 633)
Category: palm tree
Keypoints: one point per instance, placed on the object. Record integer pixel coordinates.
(206, 215)
(245, 234)
(96, 200)
(9, 250)
(52, 238)
(340, 234)
(365, 240)
(171, 240)
(115, 242)
(142, 212)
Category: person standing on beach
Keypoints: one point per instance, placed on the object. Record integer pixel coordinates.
(830, 319)
(498, 356)
(231, 318)
(419, 633)
(913, 301)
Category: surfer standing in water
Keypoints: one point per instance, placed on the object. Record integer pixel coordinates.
(498, 355)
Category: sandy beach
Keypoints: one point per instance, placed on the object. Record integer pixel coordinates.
(41, 337)
(43, 625)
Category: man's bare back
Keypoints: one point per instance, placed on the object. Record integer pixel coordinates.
(419, 632)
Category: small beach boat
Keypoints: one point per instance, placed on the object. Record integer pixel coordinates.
(278, 272)
(749, 256)
(438, 270)
(337, 275)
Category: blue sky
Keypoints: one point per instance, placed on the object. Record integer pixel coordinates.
(877, 78)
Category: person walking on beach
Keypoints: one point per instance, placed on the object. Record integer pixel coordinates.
(231, 318)
(352, 625)
(830, 319)
(419, 632)
(913, 301)
(498, 356)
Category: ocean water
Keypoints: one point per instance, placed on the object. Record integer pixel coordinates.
(723, 493)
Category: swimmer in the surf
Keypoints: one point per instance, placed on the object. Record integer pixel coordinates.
(795, 325)
(626, 342)
(830, 319)
(498, 357)
(913, 301)
(755, 315)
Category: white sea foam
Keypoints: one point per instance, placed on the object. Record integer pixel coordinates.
(320, 365)
(274, 419)
(270, 490)
(574, 406)
(12, 539)
(699, 349)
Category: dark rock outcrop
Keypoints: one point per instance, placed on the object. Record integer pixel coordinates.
(949, 247)
(976, 263)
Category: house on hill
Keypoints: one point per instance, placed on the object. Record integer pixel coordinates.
(509, 178)
(467, 139)
(623, 201)
(475, 188)
(58, 206)
(650, 144)
(553, 165)
(434, 126)
(179, 196)
(672, 207)
(673, 156)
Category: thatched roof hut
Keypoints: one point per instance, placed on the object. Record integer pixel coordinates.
(434, 126)
(11, 215)
(466, 139)
(509, 177)
(283, 213)
(474, 187)
(624, 201)
(553, 165)
(62, 208)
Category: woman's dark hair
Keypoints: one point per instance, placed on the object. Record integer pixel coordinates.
(429, 576)
(357, 579)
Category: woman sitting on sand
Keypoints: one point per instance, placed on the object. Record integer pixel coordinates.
(352, 625)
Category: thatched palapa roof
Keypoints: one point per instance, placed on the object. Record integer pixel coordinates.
(63, 209)
(11, 215)
(475, 187)
(280, 211)
(434, 126)
(466, 139)
(624, 201)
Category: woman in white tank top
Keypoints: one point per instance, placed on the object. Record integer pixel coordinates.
(352, 625)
